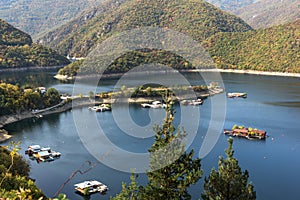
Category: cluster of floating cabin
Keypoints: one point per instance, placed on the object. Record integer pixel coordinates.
(247, 133)
(44, 154)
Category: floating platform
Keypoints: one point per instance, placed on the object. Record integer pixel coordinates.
(247, 133)
(90, 187)
(44, 154)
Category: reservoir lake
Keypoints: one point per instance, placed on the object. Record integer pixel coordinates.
(273, 104)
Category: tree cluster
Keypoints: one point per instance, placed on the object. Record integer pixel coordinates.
(271, 49)
(14, 180)
(14, 99)
(17, 50)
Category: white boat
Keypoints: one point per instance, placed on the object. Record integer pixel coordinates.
(100, 108)
(89, 187)
(154, 104)
(33, 149)
(237, 94)
(192, 102)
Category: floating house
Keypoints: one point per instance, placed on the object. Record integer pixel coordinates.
(247, 133)
(90, 187)
(42, 153)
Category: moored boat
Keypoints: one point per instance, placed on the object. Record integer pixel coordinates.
(101, 108)
(237, 94)
(192, 102)
(154, 104)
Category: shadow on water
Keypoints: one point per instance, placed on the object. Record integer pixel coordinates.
(27, 125)
(34, 78)
(294, 104)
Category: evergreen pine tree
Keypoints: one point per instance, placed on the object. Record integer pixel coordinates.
(229, 183)
(130, 192)
(172, 170)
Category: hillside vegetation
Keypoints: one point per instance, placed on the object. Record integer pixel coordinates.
(231, 43)
(267, 13)
(271, 49)
(14, 176)
(9, 35)
(14, 99)
(197, 19)
(17, 50)
(38, 16)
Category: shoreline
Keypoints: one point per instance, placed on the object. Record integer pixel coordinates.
(61, 107)
(235, 71)
(254, 72)
(37, 68)
(80, 102)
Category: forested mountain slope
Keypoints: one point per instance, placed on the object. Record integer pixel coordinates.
(38, 16)
(272, 49)
(197, 19)
(17, 50)
(267, 13)
(262, 13)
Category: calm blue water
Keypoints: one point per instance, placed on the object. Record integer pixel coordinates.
(273, 104)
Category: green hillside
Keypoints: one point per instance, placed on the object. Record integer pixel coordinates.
(271, 49)
(38, 16)
(9, 35)
(267, 13)
(197, 19)
(17, 50)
